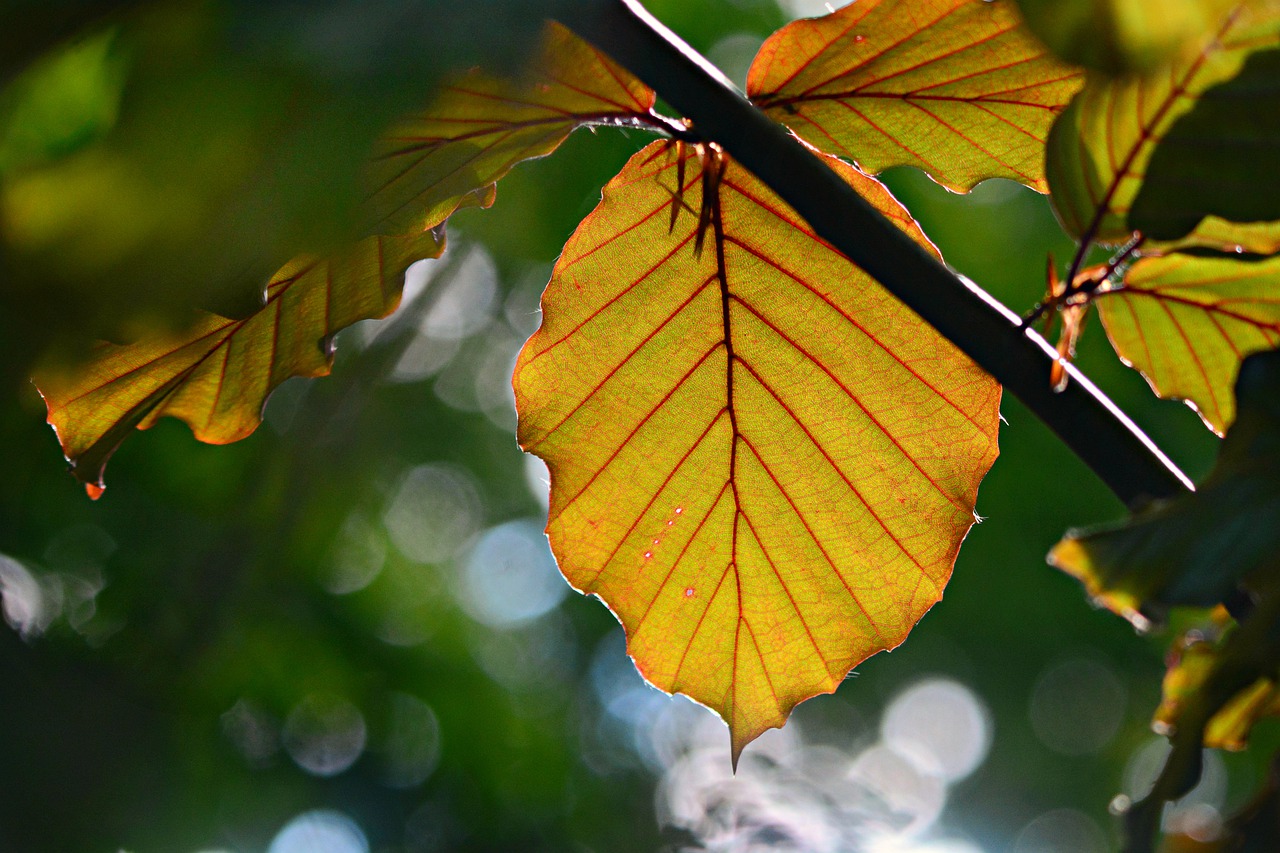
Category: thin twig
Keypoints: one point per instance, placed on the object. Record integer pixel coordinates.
(1087, 286)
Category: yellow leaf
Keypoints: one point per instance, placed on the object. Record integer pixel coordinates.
(1187, 321)
(216, 374)
(1259, 238)
(760, 460)
(958, 88)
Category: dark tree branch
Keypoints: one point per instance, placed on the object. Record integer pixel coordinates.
(1020, 359)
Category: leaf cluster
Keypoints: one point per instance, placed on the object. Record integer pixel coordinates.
(761, 460)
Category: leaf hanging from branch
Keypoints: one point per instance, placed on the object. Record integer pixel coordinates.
(1195, 550)
(216, 375)
(760, 460)
(1187, 321)
(482, 126)
(958, 88)
(1101, 147)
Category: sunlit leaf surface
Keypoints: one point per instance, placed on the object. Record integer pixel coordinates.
(482, 126)
(1262, 238)
(958, 88)
(760, 460)
(1186, 321)
(216, 375)
(1101, 147)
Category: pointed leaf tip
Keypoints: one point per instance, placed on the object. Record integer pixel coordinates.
(217, 374)
(761, 461)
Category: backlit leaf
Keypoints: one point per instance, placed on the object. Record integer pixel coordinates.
(1261, 238)
(482, 126)
(958, 88)
(1186, 321)
(1101, 146)
(760, 460)
(216, 375)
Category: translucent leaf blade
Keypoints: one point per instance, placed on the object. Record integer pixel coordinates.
(958, 88)
(760, 460)
(1187, 321)
(478, 129)
(216, 375)
(1100, 148)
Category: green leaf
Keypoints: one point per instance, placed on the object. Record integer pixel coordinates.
(1120, 37)
(67, 100)
(1186, 321)
(958, 88)
(1195, 550)
(760, 460)
(1220, 158)
(1220, 543)
(216, 374)
(1100, 148)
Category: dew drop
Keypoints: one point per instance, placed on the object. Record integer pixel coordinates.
(859, 39)
(688, 592)
(669, 523)
(648, 554)
(679, 510)
(657, 541)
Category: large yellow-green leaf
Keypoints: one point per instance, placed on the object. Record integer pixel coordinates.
(482, 126)
(958, 88)
(1186, 321)
(760, 460)
(1101, 146)
(216, 374)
